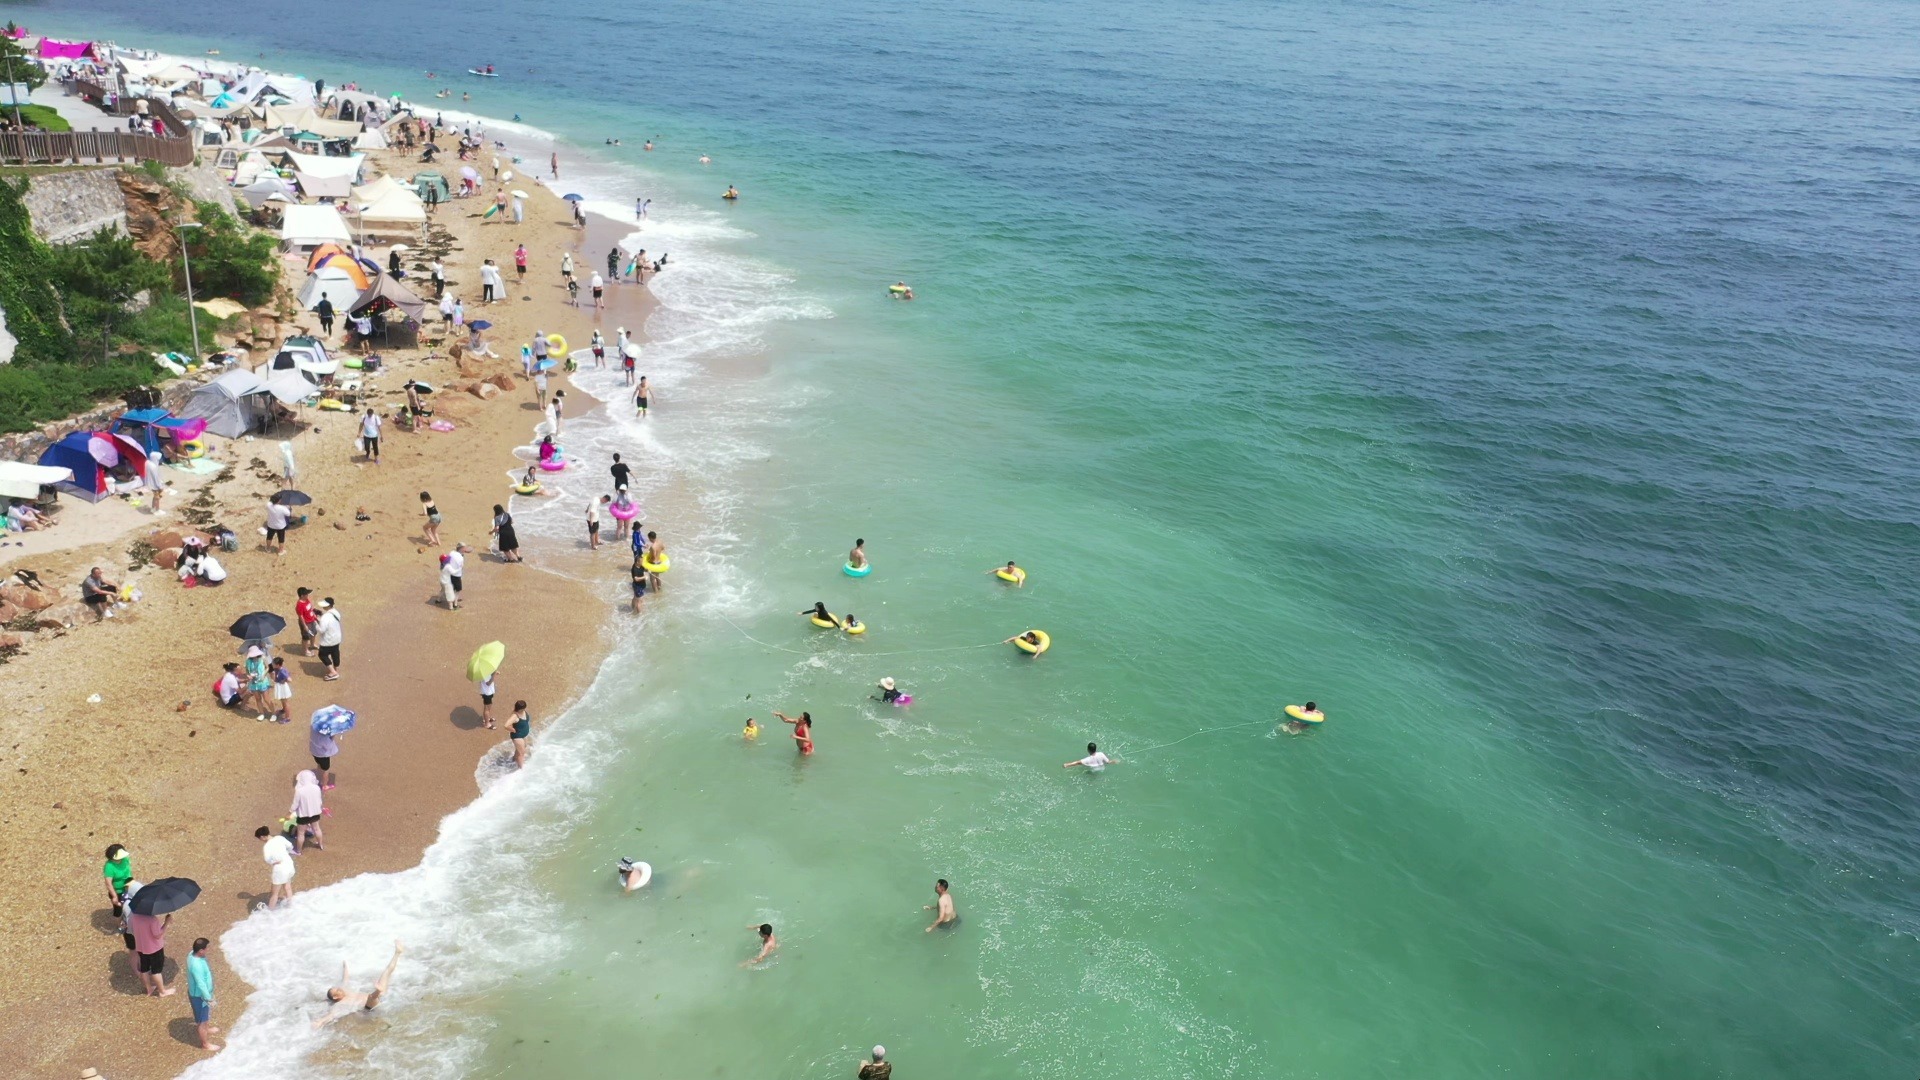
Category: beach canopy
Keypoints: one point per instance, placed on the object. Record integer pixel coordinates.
(65, 50)
(307, 226)
(386, 204)
(485, 660)
(266, 189)
(232, 405)
(385, 288)
(19, 480)
(332, 720)
(290, 387)
(370, 139)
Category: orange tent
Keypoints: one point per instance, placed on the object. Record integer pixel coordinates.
(345, 263)
(320, 255)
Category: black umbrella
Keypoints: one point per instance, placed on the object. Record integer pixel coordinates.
(257, 626)
(167, 894)
(293, 498)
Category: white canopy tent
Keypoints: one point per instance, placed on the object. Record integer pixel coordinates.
(370, 139)
(19, 480)
(311, 226)
(326, 177)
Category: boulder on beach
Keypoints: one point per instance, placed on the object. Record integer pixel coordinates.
(26, 599)
(504, 382)
(167, 558)
(483, 390)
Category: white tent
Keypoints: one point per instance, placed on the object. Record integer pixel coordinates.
(258, 84)
(249, 168)
(289, 387)
(326, 177)
(311, 226)
(374, 190)
(19, 480)
(333, 283)
(233, 404)
(370, 139)
(266, 189)
(398, 210)
(309, 119)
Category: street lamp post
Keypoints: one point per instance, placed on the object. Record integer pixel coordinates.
(193, 319)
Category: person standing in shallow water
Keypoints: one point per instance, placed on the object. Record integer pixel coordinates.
(943, 903)
(802, 730)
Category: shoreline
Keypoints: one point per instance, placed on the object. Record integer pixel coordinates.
(183, 790)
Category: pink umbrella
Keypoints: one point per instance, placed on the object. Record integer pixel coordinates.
(101, 449)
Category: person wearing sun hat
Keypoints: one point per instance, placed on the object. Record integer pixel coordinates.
(889, 693)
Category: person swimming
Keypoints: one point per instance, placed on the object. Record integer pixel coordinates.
(857, 558)
(889, 693)
(633, 874)
(852, 624)
(900, 290)
(1010, 573)
(819, 611)
(1305, 717)
(732, 192)
(751, 731)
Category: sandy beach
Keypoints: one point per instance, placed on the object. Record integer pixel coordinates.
(112, 733)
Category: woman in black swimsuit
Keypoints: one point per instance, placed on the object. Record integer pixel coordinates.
(503, 530)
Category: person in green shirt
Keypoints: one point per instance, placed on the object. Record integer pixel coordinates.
(118, 870)
(200, 993)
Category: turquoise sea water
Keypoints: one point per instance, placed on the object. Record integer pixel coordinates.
(1532, 387)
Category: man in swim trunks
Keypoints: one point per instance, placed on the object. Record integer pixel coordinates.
(944, 903)
(657, 555)
(1018, 575)
(1095, 761)
(640, 393)
(346, 1001)
(802, 730)
(857, 558)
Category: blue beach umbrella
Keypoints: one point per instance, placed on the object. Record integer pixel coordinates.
(574, 198)
(332, 720)
(547, 365)
(480, 324)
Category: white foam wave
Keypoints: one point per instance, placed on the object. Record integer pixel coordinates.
(467, 912)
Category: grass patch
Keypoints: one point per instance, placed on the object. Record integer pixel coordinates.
(43, 117)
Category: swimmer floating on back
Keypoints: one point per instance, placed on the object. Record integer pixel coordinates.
(1305, 717)
(1010, 573)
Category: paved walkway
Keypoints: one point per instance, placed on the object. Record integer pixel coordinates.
(76, 110)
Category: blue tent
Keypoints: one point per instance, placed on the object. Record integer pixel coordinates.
(89, 479)
(142, 426)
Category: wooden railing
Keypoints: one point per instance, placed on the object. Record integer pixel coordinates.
(62, 147)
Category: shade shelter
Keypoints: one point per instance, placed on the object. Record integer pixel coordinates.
(232, 405)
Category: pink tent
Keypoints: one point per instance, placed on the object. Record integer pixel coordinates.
(64, 50)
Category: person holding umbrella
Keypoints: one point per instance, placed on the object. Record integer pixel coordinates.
(329, 723)
(149, 910)
(482, 666)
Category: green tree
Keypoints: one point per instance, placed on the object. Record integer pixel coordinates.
(98, 279)
(16, 65)
(230, 258)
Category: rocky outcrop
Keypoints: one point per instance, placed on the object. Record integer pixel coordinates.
(75, 203)
(151, 208)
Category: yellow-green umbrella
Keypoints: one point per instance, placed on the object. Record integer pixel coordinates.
(485, 660)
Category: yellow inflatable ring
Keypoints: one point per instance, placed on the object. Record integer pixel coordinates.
(1026, 646)
(526, 489)
(335, 404)
(824, 624)
(1016, 577)
(194, 448)
(655, 568)
(896, 288)
(556, 344)
(1298, 713)
(854, 627)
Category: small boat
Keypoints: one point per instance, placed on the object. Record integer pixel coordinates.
(483, 74)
